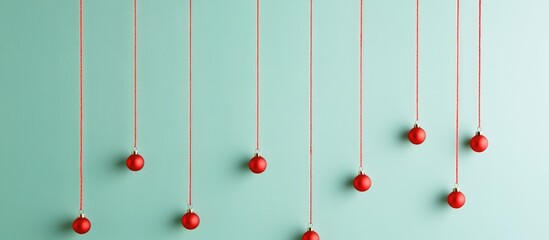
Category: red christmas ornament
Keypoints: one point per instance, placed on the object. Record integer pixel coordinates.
(362, 182)
(417, 135)
(135, 162)
(310, 235)
(81, 224)
(479, 142)
(257, 164)
(190, 220)
(456, 199)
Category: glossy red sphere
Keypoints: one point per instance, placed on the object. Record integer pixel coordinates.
(135, 162)
(479, 143)
(81, 225)
(190, 220)
(456, 199)
(310, 235)
(257, 164)
(362, 182)
(416, 135)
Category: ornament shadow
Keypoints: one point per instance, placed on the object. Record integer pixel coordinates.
(176, 220)
(298, 234)
(65, 226)
(403, 135)
(120, 163)
(466, 144)
(349, 183)
(243, 164)
(442, 199)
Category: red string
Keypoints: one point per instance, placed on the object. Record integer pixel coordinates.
(135, 74)
(457, 91)
(361, 100)
(257, 79)
(479, 55)
(417, 60)
(311, 112)
(81, 108)
(190, 103)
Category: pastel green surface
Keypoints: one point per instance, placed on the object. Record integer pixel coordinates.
(505, 186)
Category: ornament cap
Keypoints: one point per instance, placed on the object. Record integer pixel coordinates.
(456, 189)
(190, 208)
(134, 152)
(416, 124)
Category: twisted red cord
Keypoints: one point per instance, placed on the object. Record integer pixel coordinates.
(81, 108)
(417, 60)
(457, 91)
(311, 112)
(190, 105)
(135, 74)
(479, 55)
(360, 78)
(257, 79)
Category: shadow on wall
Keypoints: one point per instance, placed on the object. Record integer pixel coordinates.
(442, 200)
(298, 234)
(176, 220)
(65, 227)
(120, 163)
(243, 166)
(349, 183)
(403, 134)
(466, 143)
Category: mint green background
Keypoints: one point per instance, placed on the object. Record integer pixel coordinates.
(505, 186)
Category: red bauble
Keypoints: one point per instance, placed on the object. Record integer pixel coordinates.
(257, 164)
(456, 199)
(310, 235)
(479, 142)
(81, 225)
(190, 220)
(135, 162)
(416, 135)
(362, 182)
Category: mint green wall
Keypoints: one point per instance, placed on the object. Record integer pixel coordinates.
(505, 186)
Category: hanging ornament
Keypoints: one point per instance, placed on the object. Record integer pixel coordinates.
(456, 198)
(310, 234)
(417, 135)
(81, 224)
(190, 220)
(479, 142)
(135, 162)
(362, 182)
(257, 163)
